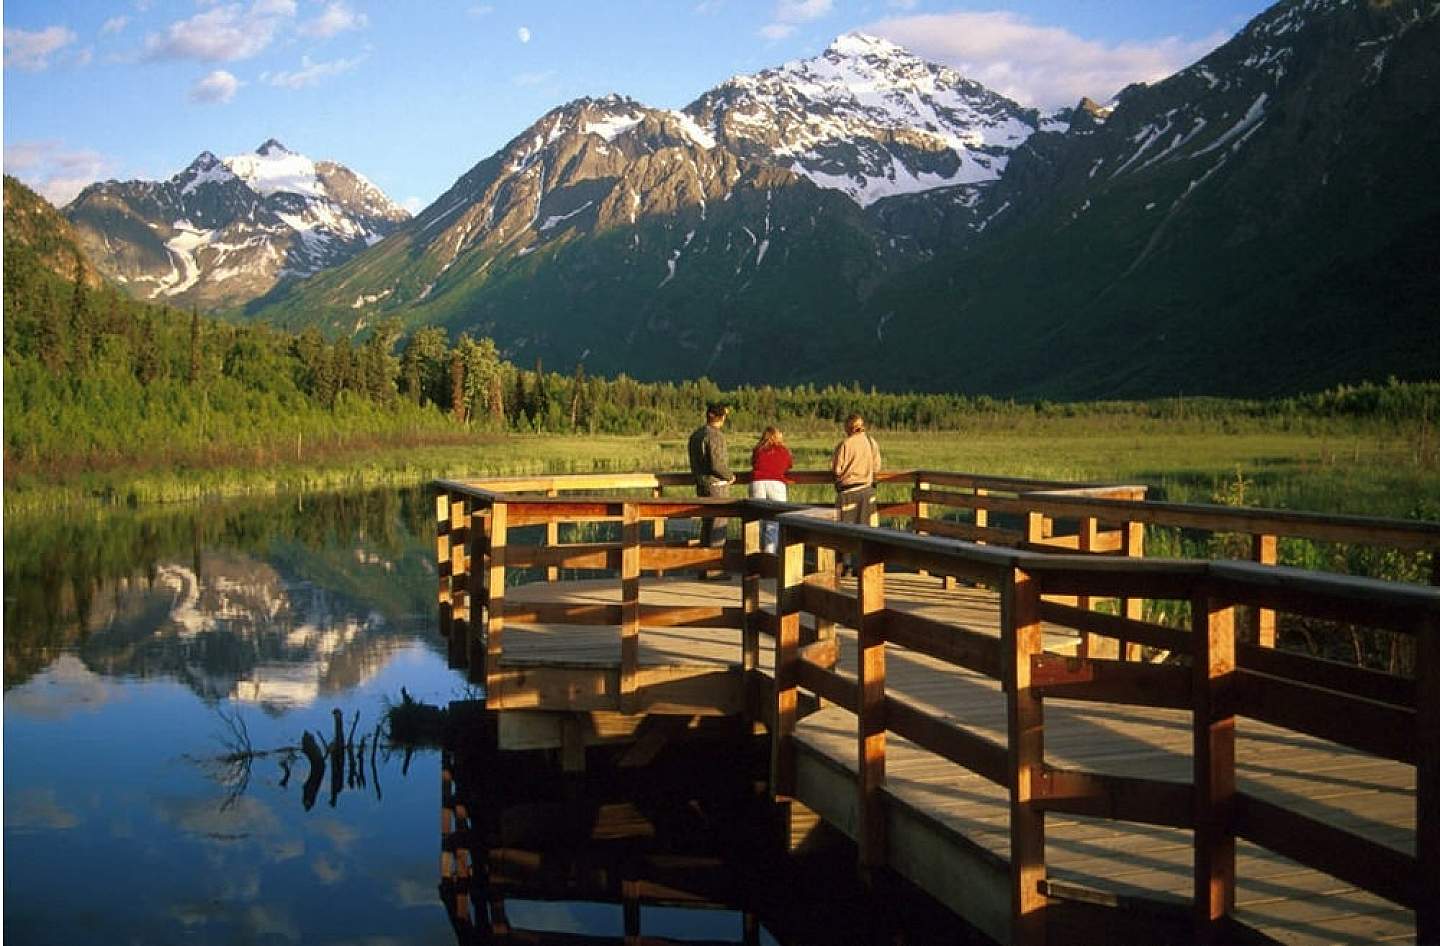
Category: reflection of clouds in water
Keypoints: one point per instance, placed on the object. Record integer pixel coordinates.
(409, 892)
(252, 923)
(37, 809)
(63, 689)
(246, 822)
(329, 872)
(338, 833)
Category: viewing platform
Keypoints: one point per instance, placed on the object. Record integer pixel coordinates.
(1007, 703)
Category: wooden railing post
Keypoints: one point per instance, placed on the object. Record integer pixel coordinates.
(496, 528)
(922, 509)
(1427, 780)
(750, 594)
(460, 625)
(629, 607)
(869, 603)
(1093, 645)
(1021, 639)
(1213, 634)
(787, 658)
(1133, 546)
(442, 559)
(658, 525)
(552, 539)
(1263, 551)
(471, 644)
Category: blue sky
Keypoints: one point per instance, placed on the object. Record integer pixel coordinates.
(412, 93)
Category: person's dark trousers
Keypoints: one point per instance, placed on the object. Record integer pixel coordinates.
(855, 505)
(712, 531)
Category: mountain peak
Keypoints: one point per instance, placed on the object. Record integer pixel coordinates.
(863, 44)
(272, 146)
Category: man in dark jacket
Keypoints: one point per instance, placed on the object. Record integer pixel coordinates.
(711, 468)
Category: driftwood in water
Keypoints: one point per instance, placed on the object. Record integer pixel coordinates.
(311, 748)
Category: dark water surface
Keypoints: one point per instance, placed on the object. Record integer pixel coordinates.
(145, 650)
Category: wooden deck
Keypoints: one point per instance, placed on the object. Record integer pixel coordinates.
(968, 816)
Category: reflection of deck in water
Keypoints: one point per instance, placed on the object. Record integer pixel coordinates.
(685, 849)
(999, 743)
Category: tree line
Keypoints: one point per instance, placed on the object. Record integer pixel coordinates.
(96, 376)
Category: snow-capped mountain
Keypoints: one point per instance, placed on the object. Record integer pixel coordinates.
(1262, 221)
(869, 119)
(224, 231)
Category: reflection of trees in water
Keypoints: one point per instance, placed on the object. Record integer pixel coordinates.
(293, 596)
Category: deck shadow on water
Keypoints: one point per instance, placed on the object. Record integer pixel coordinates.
(685, 848)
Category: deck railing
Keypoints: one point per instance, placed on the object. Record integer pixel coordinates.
(1388, 716)
(1220, 672)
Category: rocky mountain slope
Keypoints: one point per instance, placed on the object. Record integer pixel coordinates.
(224, 231)
(1262, 221)
(37, 234)
(660, 242)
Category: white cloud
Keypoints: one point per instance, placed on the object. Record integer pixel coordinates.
(217, 88)
(787, 13)
(31, 50)
(1037, 65)
(114, 25)
(310, 72)
(56, 172)
(413, 204)
(337, 18)
(222, 34)
(523, 33)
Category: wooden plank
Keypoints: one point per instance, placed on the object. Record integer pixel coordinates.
(869, 603)
(629, 607)
(1116, 577)
(1393, 605)
(442, 560)
(750, 595)
(1213, 666)
(1375, 867)
(1120, 628)
(1378, 728)
(1025, 726)
(787, 656)
(1148, 801)
(496, 531)
(1402, 534)
(1332, 675)
(952, 742)
(822, 680)
(968, 531)
(1263, 551)
(1111, 681)
(948, 642)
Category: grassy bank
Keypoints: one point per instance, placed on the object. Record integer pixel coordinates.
(1344, 465)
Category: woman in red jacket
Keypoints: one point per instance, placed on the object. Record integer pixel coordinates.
(770, 461)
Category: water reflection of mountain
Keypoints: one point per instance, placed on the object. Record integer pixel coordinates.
(276, 605)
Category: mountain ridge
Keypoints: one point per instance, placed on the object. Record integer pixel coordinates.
(222, 231)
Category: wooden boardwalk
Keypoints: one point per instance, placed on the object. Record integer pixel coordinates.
(1085, 857)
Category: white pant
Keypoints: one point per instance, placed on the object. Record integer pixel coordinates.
(769, 530)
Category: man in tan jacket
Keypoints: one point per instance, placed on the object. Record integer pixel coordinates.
(854, 465)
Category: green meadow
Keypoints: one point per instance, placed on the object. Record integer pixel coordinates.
(1357, 466)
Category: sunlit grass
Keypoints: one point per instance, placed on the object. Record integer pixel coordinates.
(1341, 467)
